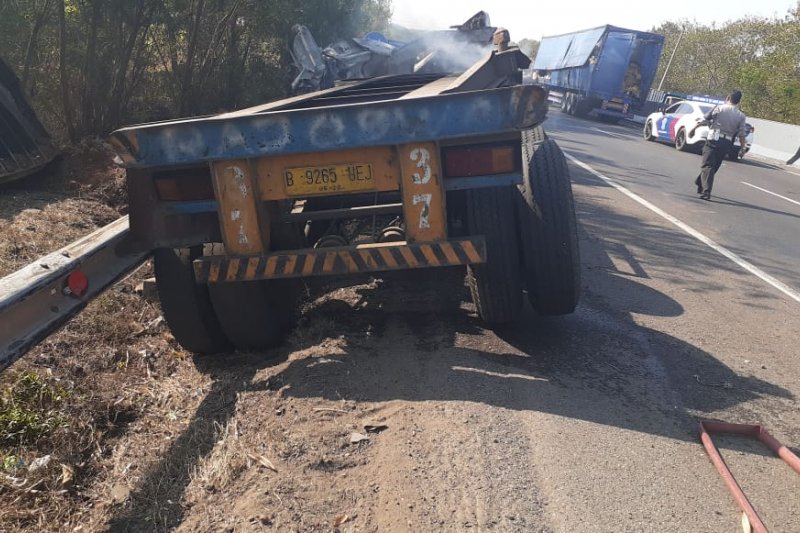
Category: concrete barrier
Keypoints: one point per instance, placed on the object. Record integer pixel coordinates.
(775, 140)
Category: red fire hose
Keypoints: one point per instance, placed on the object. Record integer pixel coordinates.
(709, 426)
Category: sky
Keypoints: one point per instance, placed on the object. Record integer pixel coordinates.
(534, 19)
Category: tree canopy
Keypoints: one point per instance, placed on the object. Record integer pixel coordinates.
(759, 56)
(90, 66)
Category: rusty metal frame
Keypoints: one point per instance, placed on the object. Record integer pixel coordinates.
(35, 301)
(748, 430)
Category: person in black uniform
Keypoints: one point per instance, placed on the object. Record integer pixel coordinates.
(726, 122)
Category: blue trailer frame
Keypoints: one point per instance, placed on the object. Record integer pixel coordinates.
(257, 133)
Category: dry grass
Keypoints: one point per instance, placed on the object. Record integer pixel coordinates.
(225, 463)
(66, 404)
(33, 225)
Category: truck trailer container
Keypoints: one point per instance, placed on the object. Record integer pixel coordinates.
(606, 70)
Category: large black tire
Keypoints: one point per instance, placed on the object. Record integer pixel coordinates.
(186, 304)
(648, 131)
(569, 107)
(254, 315)
(582, 107)
(496, 285)
(547, 228)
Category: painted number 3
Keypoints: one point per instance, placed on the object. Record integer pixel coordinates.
(423, 158)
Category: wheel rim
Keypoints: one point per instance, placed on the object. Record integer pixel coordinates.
(648, 130)
(680, 140)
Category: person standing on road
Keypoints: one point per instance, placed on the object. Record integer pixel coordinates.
(726, 122)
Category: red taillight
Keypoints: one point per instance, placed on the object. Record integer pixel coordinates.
(480, 160)
(184, 185)
(77, 284)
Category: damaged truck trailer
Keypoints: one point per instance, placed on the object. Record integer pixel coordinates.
(606, 71)
(412, 170)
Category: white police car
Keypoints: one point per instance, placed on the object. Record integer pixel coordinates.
(676, 124)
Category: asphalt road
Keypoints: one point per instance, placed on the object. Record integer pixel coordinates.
(669, 331)
(755, 209)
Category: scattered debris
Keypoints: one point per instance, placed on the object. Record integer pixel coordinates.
(263, 461)
(147, 289)
(67, 474)
(723, 385)
(375, 428)
(40, 463)
(342, 519)
(329, 410)
(355, 438)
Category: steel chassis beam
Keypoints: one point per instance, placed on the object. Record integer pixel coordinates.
(37, 300)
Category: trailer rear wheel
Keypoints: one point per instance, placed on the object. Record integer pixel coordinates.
(496, 285)
(581, 107)
(569, 99)
(548, 229)
(186, 305)
(254, 315)
(565, 103)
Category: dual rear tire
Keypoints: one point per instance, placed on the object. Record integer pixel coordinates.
(531, 238)
(547, 227)
(218, 317)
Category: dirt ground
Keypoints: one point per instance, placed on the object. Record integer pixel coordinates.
(145, 437)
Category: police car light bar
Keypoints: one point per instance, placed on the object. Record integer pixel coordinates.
(705, 99)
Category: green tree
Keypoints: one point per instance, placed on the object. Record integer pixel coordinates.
(121, 61)
(760, 56)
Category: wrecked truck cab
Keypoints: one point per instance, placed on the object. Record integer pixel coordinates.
(25, 146)
(450, 51)
(399, 172)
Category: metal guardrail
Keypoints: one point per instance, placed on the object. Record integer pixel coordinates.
(43, 296)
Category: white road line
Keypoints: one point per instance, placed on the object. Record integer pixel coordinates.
(772, 193)
(612, 133)
(785, 289)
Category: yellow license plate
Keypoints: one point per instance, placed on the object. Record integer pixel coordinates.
(329, 179)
